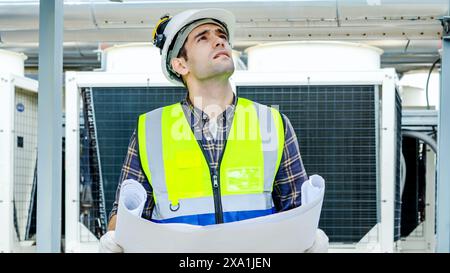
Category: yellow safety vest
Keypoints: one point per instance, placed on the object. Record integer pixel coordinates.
(187, 190)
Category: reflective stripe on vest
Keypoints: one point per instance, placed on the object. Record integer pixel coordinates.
(179, 174)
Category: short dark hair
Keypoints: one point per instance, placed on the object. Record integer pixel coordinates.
(183, 52)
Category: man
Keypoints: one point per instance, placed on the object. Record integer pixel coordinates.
(214, 157)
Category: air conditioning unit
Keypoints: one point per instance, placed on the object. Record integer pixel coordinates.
(346, 112)
(18, 157)
(347, 125)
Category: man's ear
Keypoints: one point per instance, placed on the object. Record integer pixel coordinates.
(180, 66)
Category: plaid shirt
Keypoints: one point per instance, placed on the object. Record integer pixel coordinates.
(288, 180)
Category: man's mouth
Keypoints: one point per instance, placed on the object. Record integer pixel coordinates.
(221, 53)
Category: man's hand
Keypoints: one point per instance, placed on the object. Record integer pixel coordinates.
(320, 243)
(108, 243)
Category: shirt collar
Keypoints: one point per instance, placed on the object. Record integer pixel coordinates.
(199, 114)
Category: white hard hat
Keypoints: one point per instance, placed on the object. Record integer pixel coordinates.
(165, 34)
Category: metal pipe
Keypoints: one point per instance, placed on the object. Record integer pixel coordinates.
(443, 155)
(422, 136)
(402, 173)
(48, 225)
(419, 135)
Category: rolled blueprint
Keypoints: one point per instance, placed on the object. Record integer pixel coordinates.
(290, 231)
(133, 196)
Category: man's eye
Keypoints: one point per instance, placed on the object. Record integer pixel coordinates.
(202, 38)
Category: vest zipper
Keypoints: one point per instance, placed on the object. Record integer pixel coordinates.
(215, 181)
(217, 199)
(225, 140)
(215, 177)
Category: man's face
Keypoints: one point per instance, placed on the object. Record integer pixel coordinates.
(209, 53)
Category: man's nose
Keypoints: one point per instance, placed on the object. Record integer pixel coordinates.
(219, 41)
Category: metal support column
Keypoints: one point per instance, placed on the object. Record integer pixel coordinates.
(443, 154)
(48, 237)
